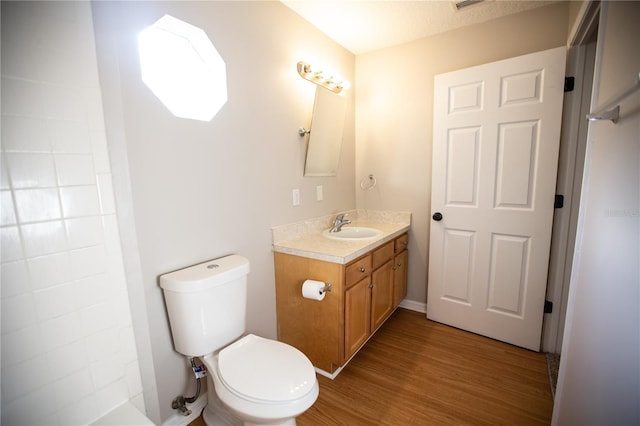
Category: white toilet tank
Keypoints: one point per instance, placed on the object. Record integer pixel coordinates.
(206, 304)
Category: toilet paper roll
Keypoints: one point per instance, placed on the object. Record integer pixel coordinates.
(312, 289)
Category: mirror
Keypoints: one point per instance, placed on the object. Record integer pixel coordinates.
(325, 139)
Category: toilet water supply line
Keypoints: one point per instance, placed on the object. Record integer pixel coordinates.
(180, 403)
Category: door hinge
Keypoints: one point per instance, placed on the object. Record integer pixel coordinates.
(558, 202)
(569, 83)
(548, 306)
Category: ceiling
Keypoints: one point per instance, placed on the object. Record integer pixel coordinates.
(362, 25)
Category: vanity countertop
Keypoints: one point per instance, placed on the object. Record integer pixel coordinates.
(314, 245)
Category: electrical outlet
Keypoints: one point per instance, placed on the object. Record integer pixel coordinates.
(296, 197)
(319, 195)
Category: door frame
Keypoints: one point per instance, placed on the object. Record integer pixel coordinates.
(580, 65)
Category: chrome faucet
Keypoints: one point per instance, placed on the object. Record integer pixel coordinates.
(339, 222)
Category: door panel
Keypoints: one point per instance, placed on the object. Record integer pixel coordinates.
(495, 150)
(462, 166)
(357, 316)
(381, 294)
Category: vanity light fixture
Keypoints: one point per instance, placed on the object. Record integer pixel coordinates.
(318, 78)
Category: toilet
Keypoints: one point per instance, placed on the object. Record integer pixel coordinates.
(250, 380)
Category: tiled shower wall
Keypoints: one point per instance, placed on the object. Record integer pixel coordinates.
(68, 349)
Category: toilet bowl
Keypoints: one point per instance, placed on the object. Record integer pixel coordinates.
(261, 381)
(251, 380)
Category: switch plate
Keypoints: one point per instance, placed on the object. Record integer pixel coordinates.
(296, 197)
(319, 195)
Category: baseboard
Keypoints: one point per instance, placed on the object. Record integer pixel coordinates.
(196, 409)
(327, 374)
(414, 306)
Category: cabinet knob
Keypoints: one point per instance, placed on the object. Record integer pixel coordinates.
(371, 285)
(362, 269)
(394, 267)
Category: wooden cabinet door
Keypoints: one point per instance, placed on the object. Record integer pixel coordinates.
(357, 326)
(400, 262)
(381, 294)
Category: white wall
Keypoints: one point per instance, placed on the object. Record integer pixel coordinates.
(200, 190)
(395, 108)
(68, 350)
(599, 381)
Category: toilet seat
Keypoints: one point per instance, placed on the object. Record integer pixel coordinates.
(265, 371)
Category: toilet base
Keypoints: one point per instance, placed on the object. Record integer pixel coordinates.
(217, 414)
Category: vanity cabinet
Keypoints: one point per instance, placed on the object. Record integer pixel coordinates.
(400, 264)
(364, 293)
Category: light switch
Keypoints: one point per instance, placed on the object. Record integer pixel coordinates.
(319, 195)
(296, 197)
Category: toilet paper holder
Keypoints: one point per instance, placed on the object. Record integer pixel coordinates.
(327, 287)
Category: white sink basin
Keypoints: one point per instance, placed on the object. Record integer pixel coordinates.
(353, 233)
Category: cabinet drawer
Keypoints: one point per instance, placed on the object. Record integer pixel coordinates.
(401, 243)
(358, 270)
(382, 254)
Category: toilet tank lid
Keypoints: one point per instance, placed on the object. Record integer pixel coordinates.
(205, 275)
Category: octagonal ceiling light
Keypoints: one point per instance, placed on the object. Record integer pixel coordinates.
(180, 65)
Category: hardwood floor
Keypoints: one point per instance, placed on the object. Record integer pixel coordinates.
(415, 371)
(418, 372)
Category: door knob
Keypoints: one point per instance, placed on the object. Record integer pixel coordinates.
(437, 216)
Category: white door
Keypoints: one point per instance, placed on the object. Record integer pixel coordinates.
(496, 135)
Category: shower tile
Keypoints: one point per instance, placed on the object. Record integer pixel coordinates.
(73, 387)
(75, 169)
(84, 231)
(94, 109)
(55, 301)
(20, 346)
(4, 175)
(26, 377)
(14, 278)
(60, 331)
(21, 97)
(105, 190)
(80, 412)
(31, 170)
(112, 237)
(7, 211)
(69, 137)
(33, 409)
(80, 201)
(67, 359)
(103, 343)
(122, 307)
(127, 347)
(92, 290)
(60, 103)
(100, 151)
(112, 395)
(88, 261)
(134, 381)
(106, 371)
(25, 134)
(34, 205)
(44, 238)
(17, 312)
(10, 244)
(96, 318)
(50, 270)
